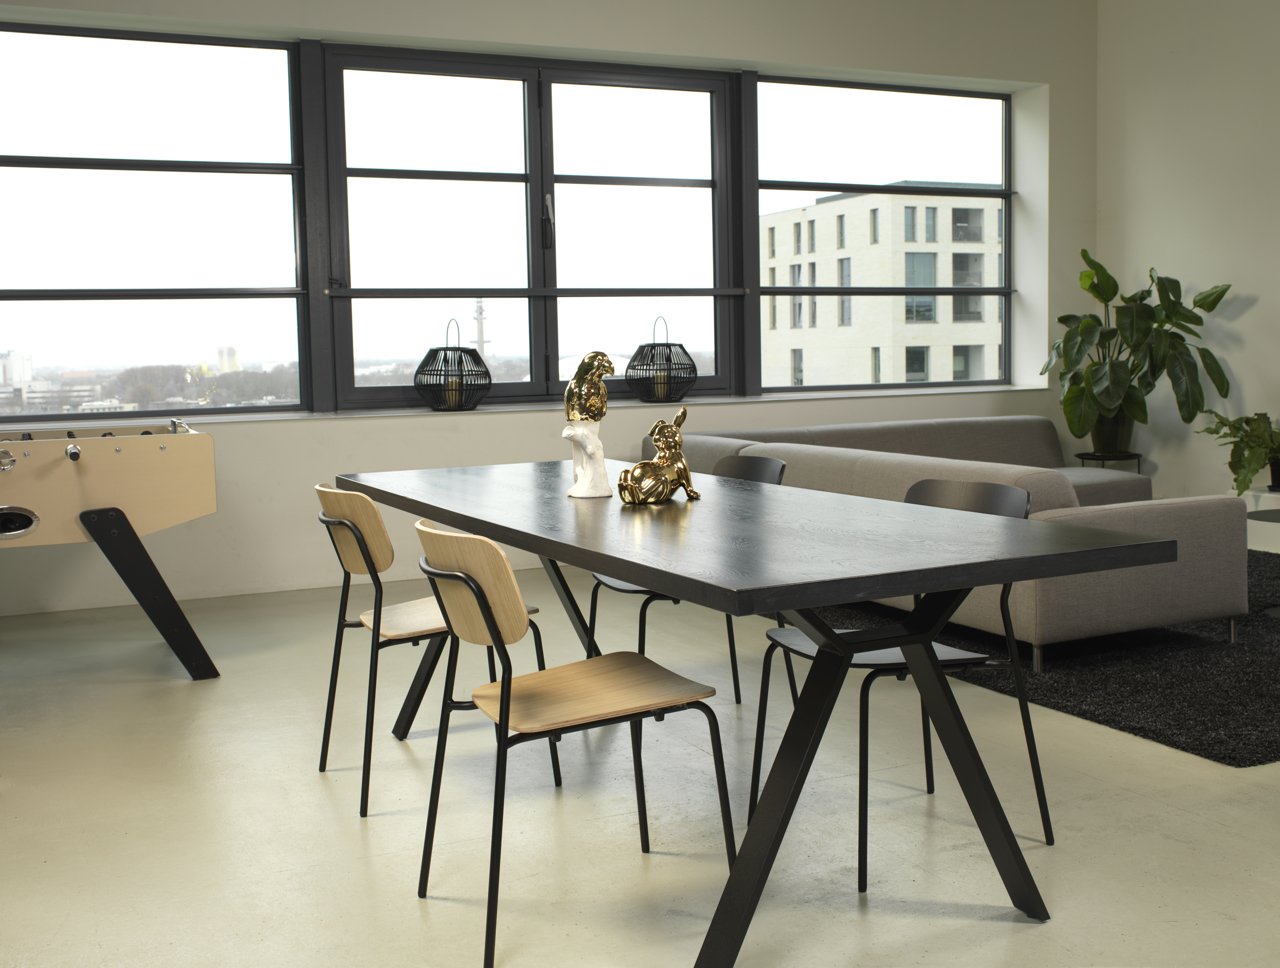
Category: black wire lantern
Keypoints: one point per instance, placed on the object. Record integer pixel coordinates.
(661, 372)
(452, 377)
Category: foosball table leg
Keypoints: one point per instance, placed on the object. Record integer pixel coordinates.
(110, 528)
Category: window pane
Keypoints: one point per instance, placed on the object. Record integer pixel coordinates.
(162, 354)
(407, 233)
(846, 331)
(96, 97)
(887, 262)
(874, 137)
(630, 131)
(91, 229)
(434, 122)
(615, 235)
(390, 337)
(620, 324)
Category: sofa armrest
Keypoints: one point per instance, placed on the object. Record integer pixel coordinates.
(1209, 579)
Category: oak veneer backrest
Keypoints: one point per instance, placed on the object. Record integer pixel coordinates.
(360, 510)
(485, 562)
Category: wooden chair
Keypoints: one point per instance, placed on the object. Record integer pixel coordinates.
(481, 603)
(765, 470)
(980, 497)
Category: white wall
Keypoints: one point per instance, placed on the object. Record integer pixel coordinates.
(265, 536)
(1187, 145)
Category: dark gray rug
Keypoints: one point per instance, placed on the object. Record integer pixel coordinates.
(1186, 686)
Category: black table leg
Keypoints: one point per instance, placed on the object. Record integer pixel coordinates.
(972, 776)
(773, 811)
(418, 688)
(576, 618)
(111, 529)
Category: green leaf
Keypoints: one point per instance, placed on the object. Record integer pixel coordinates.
(1108, 383)
(1100, 283)
(1213, 369)
(1184, 376)
(1182, 314)
(1055, 354)
(1078, 343)
(1135, 323)
(1170, 290)
(1080, 410)
(1135, 404)
(1141, 296)
(1069, 320)
(1209, 299)
(1159, 352)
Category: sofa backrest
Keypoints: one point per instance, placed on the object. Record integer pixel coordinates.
(1028, 440)
(870, 473)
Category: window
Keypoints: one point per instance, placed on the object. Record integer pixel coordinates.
(931, 224)
(773, 249)
(921, 273)
(917, 360)
(811, 235)
(875, 226)
(844, 275)
(966, 225)
(813, 300)
(966, 363)
(796, 238)
(797, 310)
(148, 254)
(966, 269)
(773, 300)
(840, 231)
(797, 368)
(966, 309)
(875, 364)
(909, 223)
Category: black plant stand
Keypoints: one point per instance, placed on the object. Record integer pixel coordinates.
(1104, 458)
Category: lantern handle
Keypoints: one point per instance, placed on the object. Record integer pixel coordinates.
(665, 331)
(454, 324)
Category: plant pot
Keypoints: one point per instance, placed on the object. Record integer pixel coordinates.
(1275, 474)
(1112, 435)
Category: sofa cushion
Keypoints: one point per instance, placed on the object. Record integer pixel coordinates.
(1099, 485)
(877, 474)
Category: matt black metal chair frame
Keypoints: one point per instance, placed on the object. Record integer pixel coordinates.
(977, 496)
(763, 470)
(506, 741)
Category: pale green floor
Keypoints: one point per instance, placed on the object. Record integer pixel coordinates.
(149, 820)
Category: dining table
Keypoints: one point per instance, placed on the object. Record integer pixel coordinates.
(746, 548)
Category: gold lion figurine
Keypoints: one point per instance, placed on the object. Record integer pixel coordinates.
(586, 397)
(656, 481)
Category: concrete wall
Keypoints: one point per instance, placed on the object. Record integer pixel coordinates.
(265, 537)
(1186, 148)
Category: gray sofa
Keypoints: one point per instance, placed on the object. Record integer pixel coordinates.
(882, 460)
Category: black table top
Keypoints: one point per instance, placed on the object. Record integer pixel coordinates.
(748, 548)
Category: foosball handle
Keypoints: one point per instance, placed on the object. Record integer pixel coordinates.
(110, 528)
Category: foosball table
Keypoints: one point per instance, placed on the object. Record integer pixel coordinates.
(110, 486)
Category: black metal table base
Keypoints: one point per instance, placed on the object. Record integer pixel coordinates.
(110, 528)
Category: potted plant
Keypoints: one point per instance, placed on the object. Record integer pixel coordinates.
(1110, 363)
(1255, 443)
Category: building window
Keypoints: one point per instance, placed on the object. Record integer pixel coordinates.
(966, 225)
(966, 309)
(875, 226)
(931, 224)
(917, 359)
(844, 275)
(875, 364)
(909, 223)
(813, 300)
(797, 368)
(966, 363)
(773, 300)
(966, 269)
(796, 238)
(921, 273)
(773, 249)
(149, 260)
(812, 234)
(797, 308)
(839, 231)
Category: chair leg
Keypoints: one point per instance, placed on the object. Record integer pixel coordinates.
(437, 772)
(864, 721)
(333, 692)
(791, 677)
(495, 855)
(757, 752)
(638, 769)
(722, 783)
(733, 660)
(644, 611)
(1037, 659)
(928, 748)
(374, 649)
(542, 664)
(592, 647)
(1020, 687)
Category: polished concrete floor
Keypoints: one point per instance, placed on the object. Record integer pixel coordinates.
(149, 820)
